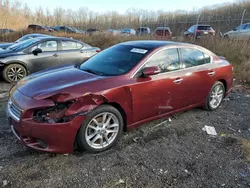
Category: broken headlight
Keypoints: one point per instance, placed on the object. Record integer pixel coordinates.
(55, 114)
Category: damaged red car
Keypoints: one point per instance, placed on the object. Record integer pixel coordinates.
(89, 105)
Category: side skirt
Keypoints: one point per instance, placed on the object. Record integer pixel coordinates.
(136, 124)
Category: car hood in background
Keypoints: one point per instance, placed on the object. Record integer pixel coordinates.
(7, 53)
(66, 80)
(229, 32)
(5, 45)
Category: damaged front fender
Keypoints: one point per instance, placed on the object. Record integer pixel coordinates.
(66, 111)
(85, 104)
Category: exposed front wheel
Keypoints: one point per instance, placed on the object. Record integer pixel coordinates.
(215, 96)
(101, 130)
(14, 72)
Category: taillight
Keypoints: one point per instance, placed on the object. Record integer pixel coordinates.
(98, 51)
(198, 31)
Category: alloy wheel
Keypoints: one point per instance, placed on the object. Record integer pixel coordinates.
(102, 130)
(15, 73)
(216, 96)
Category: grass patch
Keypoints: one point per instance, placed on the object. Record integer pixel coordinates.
(246, 149)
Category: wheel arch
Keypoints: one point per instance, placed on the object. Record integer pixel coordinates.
(224, 83)
(17, 62)
(121, 110)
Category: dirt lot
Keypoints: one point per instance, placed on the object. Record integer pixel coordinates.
(170, 154)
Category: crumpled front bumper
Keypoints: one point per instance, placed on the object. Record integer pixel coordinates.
(54, 138)
(46, 137)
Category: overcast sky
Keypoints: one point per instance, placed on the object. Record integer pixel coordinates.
(122, 5)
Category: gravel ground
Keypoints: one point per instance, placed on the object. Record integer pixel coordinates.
(162, 153)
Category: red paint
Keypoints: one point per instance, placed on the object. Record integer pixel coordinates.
(142, 99)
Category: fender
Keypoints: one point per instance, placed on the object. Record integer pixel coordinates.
(17, 62)
(88, 102)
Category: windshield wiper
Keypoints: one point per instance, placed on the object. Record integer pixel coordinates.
(93, 72)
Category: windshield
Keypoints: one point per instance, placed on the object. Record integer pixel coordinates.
(22, 45)
(114, 61)
(22, 39)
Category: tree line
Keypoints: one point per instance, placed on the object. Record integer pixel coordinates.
(16, 15)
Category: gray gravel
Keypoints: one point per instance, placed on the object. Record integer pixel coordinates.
(172, 154)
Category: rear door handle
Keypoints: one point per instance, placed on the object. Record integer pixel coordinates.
(55, 55)
(211, 73)
(178, 80)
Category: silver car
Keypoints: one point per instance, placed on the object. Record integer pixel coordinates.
(241, 32)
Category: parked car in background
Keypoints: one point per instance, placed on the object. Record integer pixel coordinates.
(241, 32)
(3, 46)
(114, 32)
(89, 106)
(36, 54)
(92, 31)
(143, 31)
(200, 30)
(82, 31)
(76, 30)
(128, 32)
(65, 29)
(50, 29)
(36, 27)
(162, 33)
(6, 31)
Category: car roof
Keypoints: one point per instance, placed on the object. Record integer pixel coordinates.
(245, 23)
(60, 38)
(35, 25)
(37, 35)
(154, 44)
(162, 27)
(203, 25)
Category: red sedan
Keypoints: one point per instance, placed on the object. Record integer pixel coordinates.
(90, 105)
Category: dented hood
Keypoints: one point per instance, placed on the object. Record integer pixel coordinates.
(64, 80)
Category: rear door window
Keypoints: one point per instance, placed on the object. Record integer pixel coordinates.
(194, 57)
(70, 45)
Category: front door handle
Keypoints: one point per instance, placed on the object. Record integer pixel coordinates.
(211, 73)
(55, 55)
(178, 80)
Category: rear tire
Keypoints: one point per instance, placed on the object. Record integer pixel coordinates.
(14, 72)
(101, 129)
(215, 96)
(226, 37)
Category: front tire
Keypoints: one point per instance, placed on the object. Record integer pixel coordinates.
(101, 129)
(215, 96)
(14, 72)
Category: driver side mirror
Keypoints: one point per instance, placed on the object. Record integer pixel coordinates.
(37, 51)
(235, 29)
(149, 71)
